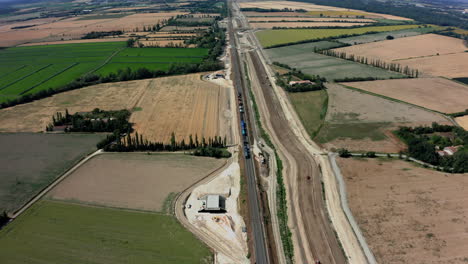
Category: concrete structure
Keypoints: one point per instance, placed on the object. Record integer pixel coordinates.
(213, 203)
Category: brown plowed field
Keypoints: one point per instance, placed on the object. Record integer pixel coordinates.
(433, 93)
(303, 24)
(181, 104)
(136, 181)
(316, 19)
(408, 214)
(463, 121)
(406, 48)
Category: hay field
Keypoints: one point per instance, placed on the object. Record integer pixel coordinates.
(270, 25)
(162, 43)
(451, 65)
(30, 162)
(133, 180)
(182, 104)
(408, 214)
(302, 57)
(56, 232)
(363, 122)
(75, 28)
(406, 48)
(281, 36)
(462, 121)
(433, 93)
(315, 19)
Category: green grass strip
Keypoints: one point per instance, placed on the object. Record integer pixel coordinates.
(52, 76)
(26, 76)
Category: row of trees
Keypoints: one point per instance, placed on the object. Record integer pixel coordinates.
(284, 79)
(101, 34)
(396, 67)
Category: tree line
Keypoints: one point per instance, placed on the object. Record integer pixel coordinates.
(96, 121)
(395, 67)
(422, 142)
(284, 79)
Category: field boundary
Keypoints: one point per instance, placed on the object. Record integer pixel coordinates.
(1, 76)
(105, 62)
(349, 215)
(54, 75)
(445, 115)
(54, 183)
(26, 76)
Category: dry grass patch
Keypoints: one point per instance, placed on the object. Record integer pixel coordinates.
(408, 214)
(270, 25)
(438, 94)
(131, 180)
(462, 121)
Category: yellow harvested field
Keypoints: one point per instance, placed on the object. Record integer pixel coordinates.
(134, 180)
(407, 48)
(319, 8)
(303, 24)
(438, 94)
(451, 66)
(181, 104)
(74, 28)
(462, 121)
(75, 41)
(316, 19)
(406, 213)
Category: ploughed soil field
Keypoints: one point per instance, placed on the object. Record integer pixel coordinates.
(408, 214)
(433, 93)
(134, 180)
(431, 54)
(181, 104)
(363, 122)
(30, 162)
(57, 232)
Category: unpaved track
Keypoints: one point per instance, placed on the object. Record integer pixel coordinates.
(316, 235)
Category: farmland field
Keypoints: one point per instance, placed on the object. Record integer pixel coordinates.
(383, 35)
(304, 24)
(48, 232)
(281, 36)
(398, 50)
(433, 93)
(181, 104)
(408, 214)
(132, 180)
(313, 19)
(303, 58)
(32, 161)
(42, 67)
(450, 65)
(463, 121)
(362, 122)
(310, 108)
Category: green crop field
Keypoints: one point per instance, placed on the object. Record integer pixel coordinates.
(282, 36)
(31, 161)
(329, 67)
(311, 108)
(28, 70)
(56, 233)
(330, 132)
(383, 36)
